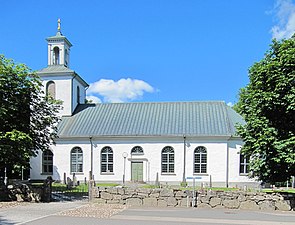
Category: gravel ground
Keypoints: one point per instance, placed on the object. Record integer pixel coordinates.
(5, 205)
(94, 210)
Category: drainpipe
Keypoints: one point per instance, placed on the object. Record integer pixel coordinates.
(91, 160)
(227, 163)
(184, 158)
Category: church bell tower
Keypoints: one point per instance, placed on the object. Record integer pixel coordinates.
(58, 80)
(58, 49)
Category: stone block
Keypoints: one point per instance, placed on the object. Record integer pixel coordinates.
(130, 191)
(180, 194)
(154, 195)
(214, 201)
(283, 205)
(166, 193)
(249, 205)
(204, 206)
(266, 205)
(145, 191)
(134, 202)
(150, 202)
(231, 203)
(189, 193)
(171, 201)
(106, 195)
(112, 190)
(242, 198)
(143, 195)
(219, 207)
(162, 203)
(117, 201)
(117, 197)
(259, 198)
(204, 199)
(121, 191)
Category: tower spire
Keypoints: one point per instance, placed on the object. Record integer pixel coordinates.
(58, 48)
(58, 25)
(58, 33)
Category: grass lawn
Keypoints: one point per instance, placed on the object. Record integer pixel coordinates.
(290, 190)
(80, 188)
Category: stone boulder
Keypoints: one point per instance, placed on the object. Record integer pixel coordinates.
(283, 205)
(134, 202)
(214, 201)
(249, 205)
(231, 203)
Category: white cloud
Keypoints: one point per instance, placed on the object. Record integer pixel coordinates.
(230, 104)
(93, 99)
(119, 91)
(284, 11)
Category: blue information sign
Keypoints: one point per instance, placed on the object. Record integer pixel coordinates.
(196, 178)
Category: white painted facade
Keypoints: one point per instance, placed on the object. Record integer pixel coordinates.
(217, 163)
(66, 89)
(223, 158)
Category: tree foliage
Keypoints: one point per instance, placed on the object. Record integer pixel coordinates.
(268, 106)
(27, 117)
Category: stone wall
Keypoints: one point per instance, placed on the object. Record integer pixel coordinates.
(23, 191)
(204, 199)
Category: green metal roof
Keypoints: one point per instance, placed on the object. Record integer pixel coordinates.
(60, 70)
(59, 37)
(55, 69)
(151, 119)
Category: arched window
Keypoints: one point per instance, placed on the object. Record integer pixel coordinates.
(168, 160)
(47, 162)
(200, 161)
(66, 57)
(137, 150)
(56, 56)
(76, 160)
(107, 160)
(78, 95)
(50, 89)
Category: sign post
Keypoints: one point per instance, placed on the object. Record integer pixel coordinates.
(194, 189)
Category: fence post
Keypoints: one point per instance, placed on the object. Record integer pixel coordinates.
(47, 189)
(65, 178)
(90, 190)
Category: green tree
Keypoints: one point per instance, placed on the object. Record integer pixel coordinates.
(27, 117)
(267, 104)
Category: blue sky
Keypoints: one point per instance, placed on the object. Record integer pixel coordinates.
(150, 50)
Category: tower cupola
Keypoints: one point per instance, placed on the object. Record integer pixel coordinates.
(58, 48)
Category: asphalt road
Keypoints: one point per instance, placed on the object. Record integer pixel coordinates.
(46, 214)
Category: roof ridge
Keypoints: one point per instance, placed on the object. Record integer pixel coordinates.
(162, 102)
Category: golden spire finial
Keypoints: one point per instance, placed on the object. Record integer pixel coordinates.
(58, 25)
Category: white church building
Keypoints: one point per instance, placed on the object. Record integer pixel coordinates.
(169, 142)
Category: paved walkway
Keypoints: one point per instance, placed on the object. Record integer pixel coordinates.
(23, 213)
(48, 214)
(205, 216)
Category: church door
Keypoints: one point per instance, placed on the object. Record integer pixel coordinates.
(137, 171)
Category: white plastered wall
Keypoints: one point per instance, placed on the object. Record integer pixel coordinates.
(216, 160)
(235, 178)
(63, 91)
